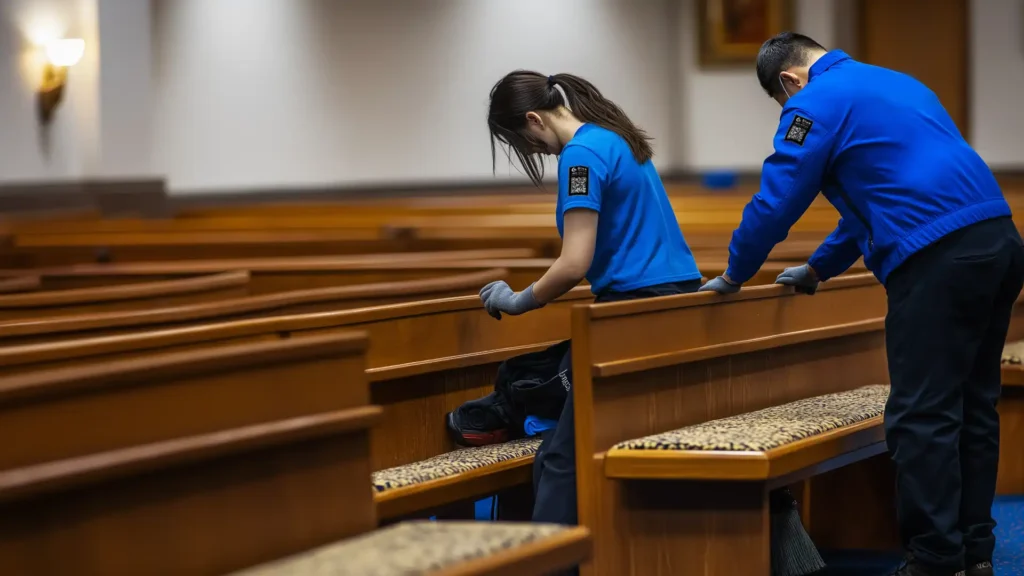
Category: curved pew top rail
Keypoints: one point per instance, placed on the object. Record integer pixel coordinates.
(127, 402)
(20, 283)
(422, 336)
(302, 263)
(270, 275)
(283, 302)
(140, 291)
(651, 332)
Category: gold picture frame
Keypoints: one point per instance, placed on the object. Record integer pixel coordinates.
(731, 31)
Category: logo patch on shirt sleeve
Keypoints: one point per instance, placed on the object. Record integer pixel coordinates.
(579, 181)
(798, 130)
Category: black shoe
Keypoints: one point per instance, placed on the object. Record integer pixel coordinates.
(982, 569)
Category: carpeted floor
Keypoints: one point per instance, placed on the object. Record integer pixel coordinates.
(1009, 560)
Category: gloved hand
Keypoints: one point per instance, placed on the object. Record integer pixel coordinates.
(720, 285)
(498, 297)
(803, 278)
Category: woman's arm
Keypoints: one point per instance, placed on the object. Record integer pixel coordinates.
(579, 228)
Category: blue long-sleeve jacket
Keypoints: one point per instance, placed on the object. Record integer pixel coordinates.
(882, 149)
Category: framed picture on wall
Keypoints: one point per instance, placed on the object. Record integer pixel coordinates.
(732, 31)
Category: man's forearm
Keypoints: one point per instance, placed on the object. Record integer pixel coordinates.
(559, 279)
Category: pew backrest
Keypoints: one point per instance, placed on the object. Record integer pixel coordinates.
(282, 303)
(47, 303)
(20, 283)
(650, 366)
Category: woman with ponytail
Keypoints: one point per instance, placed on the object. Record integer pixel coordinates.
(617, 226)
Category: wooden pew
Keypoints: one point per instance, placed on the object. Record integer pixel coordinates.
(273, 275)
(20, 283)
(138, 296)
(708, 221)
(270, 275)
(262, 470)
(467, 278)
(689, 359)
(41, 329)
(1011, 408)
(426, 358)
(151, 459)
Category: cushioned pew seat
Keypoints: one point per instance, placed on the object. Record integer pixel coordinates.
(423, 547)
(453, 476)
(1013, 353)
(758, 445)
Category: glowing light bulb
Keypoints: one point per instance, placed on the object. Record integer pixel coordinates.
(65, 52)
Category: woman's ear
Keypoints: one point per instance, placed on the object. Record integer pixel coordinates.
(534, 119)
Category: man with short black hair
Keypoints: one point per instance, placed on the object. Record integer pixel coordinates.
(927, 215)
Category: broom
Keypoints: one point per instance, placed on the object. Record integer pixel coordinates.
(793, 552)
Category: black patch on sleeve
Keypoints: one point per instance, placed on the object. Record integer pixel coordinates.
(579, 181)
(798, 130)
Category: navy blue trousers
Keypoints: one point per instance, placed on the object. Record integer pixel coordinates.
(554, 467)
(949, 311)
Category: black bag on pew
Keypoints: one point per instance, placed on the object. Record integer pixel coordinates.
(533, 384)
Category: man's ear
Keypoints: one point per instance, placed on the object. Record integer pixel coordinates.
(792, 79)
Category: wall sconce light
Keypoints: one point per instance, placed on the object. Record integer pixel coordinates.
(60, 55)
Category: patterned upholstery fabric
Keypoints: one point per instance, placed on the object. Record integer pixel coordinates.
(407, 549)
(452, 463)
(772, 427)
(1013, 353)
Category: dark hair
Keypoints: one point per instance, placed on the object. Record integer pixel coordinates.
(524, 91)
(779, 53)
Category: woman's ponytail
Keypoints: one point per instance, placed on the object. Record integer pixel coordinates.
(589, 105)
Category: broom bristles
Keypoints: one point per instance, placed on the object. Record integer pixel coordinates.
(793, 552)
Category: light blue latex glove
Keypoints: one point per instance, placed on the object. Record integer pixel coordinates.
(720, 285)
(802, 278)
(498, 297)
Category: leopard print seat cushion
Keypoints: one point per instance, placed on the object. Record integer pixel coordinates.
(452, 463)
(407, 549)
(772, 427)
(1013, 353)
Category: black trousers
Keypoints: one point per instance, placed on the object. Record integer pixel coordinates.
(554, 467)
(949, 311)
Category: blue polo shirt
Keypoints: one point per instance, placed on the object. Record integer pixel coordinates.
(639, 242)
(882, 149)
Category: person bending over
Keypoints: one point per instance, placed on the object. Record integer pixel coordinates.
(929, 219)
(617, 226)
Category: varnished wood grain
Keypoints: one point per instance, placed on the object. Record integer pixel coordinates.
(701, 386)
(21, 282)
(158, 397)
(292, 302)
(59, 303)
(1011, 441)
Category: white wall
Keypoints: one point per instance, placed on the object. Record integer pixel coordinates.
(124, 88)
(728, 121)
(264, 93)
(997, 81)
(237, 94)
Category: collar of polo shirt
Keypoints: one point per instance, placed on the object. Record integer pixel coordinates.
(827, 61)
